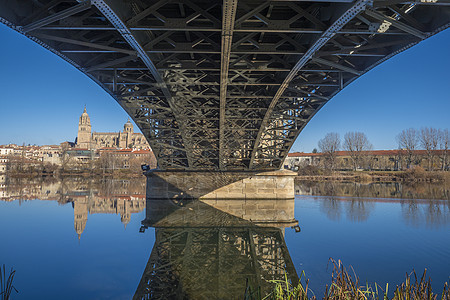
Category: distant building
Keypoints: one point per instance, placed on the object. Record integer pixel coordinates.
(125, 139)
(387, 160)
(6, 149)
(50, 154)
(3, 164)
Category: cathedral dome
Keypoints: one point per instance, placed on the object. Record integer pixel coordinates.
(84, 119)
(128, 127)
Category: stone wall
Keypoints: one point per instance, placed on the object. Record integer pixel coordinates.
(220, 185)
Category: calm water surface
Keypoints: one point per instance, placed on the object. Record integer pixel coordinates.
(80, 239)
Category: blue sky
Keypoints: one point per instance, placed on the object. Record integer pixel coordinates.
(42, 97)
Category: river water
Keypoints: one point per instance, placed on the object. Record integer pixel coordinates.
(81, 239)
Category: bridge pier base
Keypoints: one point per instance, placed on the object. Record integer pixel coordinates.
(220, 185)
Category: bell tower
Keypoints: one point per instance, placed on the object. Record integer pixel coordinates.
(84, 131)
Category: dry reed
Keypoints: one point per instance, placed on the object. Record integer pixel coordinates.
(346, 286)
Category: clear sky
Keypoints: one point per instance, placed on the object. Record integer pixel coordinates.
(42, 97)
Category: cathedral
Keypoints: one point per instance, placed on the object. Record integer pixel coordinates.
(87, 139)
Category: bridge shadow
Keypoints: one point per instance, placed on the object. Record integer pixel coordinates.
(216, 249)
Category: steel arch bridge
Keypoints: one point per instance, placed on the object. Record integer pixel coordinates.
(224, 85)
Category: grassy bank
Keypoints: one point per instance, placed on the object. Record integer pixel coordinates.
(417, 174)
(346, 286)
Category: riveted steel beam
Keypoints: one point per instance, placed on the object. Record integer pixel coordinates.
(121, 27)
(58, 16)
(228, 14)
(346, 17)
(402, 26)
(165, 64)
(268, 29)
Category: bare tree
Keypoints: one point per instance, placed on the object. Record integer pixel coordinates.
(408, 141)
(329, 145)
(109, 161)
(429, 140)
(357, 144)
(444, 143)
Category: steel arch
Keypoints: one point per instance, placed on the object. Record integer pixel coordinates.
(224, 85)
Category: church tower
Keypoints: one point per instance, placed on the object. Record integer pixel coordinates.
(128, 129)
(84, 131)
(80, 214)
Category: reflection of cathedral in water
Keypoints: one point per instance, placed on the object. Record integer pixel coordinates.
(87, 196)
(113, 204)
(216, 249)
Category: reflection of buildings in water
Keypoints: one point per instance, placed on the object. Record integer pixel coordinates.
(122, 205)
(415, 212)
(433, 213)
(88, 196)
(332, 207)
(23, 189)
(356, 209)
(422, 190)
(213, 249)
(357, 200)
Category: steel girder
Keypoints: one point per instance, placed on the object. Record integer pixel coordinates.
(224, 85)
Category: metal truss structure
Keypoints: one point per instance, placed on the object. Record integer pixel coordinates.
(224, 85)
(201, 252)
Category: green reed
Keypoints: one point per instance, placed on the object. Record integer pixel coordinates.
(346, 286)
(6, 284)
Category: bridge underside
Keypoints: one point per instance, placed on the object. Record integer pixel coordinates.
(224, 85)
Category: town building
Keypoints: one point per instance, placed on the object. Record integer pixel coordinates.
(382, 160)
(87, 139)
(6, 149)
(51, 154)
(3, 164)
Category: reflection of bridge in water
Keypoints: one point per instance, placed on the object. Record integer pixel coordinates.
(215, 249)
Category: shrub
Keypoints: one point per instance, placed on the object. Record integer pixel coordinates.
(310, 170)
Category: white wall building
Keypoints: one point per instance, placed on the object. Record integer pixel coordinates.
(3, 163)
(296, 159)
(6, 150)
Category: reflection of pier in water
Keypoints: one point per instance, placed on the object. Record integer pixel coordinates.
(214, 249)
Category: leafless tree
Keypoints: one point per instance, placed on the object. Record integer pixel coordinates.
(109, 161)
(408, 141)
(444, 143)
(67, 160)
(357, 144)
(429, 140)
(329, 145)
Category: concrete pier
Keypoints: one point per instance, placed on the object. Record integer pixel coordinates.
(220, 185)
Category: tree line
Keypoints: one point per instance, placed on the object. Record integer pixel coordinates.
(434, 141)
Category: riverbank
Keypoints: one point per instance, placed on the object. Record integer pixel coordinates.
(127, 173)
(346, 285)
(413, 175)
